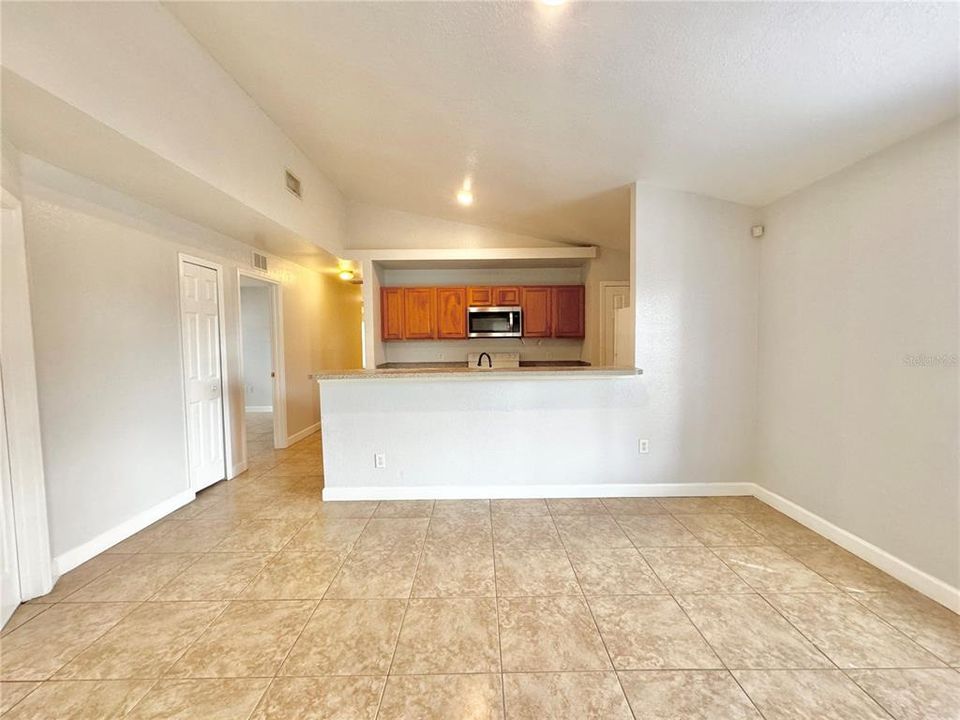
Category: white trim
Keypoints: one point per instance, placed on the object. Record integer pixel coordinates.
(298, 436)
(905, 572)
(258, 408)
(77, 556)
(238, 468)
(21, 403)
(483, 492)
(601, 332)
(421, 255)
(224, 371)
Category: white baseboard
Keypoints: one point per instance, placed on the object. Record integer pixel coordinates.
(237, 469)
(920, 581)
(258, 408)
(77, 556)
(306, 432)
(513, 492)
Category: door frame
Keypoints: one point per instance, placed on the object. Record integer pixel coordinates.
(21, 404)
(224, 373)
(604, 284)
(280, 379)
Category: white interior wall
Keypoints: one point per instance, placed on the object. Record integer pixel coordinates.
(696, 310)
(104, 275)
(256, 329)
(858, 285)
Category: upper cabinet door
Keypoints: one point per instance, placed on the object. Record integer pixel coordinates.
(451, 312)
(535, 302)
(506, 296)
(419, 313)
(391, 313)
(479, 297)
(568, 311)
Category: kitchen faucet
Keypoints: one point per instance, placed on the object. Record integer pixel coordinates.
(489, 360)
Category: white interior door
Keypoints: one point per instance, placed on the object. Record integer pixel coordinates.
(10, 594)
(615, 296)
(203, 385)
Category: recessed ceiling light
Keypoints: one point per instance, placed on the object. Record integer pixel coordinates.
(465, 197)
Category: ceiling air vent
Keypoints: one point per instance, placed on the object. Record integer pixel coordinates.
(260, 261)
(293, 183)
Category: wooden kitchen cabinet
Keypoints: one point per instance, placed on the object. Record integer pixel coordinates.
(419, 313)
(479, 296)
(451, 312)
(537, 316)
(391, 313)
(568, 320)
(506, 296)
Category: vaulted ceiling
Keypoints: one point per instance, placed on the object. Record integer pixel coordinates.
(552, 111)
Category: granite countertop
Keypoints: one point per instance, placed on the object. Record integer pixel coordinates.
(459, 371)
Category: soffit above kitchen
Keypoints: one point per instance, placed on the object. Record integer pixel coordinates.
(551, 111)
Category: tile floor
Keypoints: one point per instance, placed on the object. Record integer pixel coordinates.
(258, 601)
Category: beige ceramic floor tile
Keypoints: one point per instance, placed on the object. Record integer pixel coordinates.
(686, 695)
(200, 699)
(13, 692)
(191, 536)
(405, 509)
(348, 509)
(251, 638)
(633, 506)
(781, 530)
(720, 530)
(529, 531)
(549, 634)
(684, 505)
(138, 541)
(38, 649)
(926, 622)
(461, 508)
(137, 579)
(693, 571)
(588, 531)
(576, 506)
(747, 633)
(259, 535)
(328, 534)
(442, 697)
(455, 571)
(144, 644)
(808, 694)
(656, 531)
(376, 574)
(215, 576)
(843, 569)
(22, 614)
(293, 575)
(519, 507)
(913, 694)
(614, 571)
(650, 633)
(453, 635)
(72, 581)
(460, 531)
(534, 571)
(103, 700)
(347, 637)
(329, 698)
(849, 634)
(769, 569)
(386, 533)
(565, 696)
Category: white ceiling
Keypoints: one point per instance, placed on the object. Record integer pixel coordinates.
(554, 110)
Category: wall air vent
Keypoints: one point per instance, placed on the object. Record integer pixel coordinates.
(260, 261)
(293, 183)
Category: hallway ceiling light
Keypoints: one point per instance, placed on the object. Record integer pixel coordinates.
(346, 275)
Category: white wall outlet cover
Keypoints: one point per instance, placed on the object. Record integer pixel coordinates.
(379, 460)
(757, 231)
(643, 446)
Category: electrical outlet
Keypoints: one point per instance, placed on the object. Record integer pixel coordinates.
(643, 446)
(379, 461)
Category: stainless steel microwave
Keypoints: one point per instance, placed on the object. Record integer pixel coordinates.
(494, 322)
